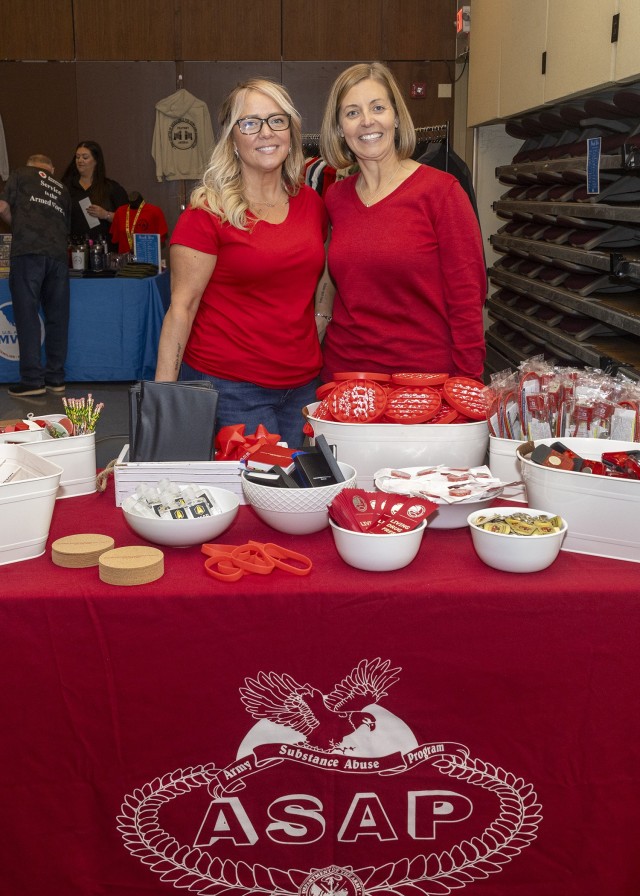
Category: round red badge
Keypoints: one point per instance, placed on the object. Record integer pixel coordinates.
(357, 401)
(419, 379)
(362, 375)
(466, 396)
(446, 414)
(409, 405)
(323, 391)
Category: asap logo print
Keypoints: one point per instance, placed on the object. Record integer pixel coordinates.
(330, 793)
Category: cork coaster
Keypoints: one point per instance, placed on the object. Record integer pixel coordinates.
(79, 551)
(134, 565)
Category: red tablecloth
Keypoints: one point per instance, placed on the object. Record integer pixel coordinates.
(174, 736)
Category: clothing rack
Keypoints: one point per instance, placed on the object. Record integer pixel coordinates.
(311, 144)
(432, 133)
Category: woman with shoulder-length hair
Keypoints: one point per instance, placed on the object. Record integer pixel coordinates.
(246, 257)
(86, 178)
(406, 252)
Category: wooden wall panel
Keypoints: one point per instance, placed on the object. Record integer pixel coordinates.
(230, 29)
(121, 30)
(39, 111)
(429, 109)
(309, 84)
(33, 29)
(418, 29)
(212, 81)
(331, 29)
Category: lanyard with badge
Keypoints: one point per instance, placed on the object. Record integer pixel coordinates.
(130, 229)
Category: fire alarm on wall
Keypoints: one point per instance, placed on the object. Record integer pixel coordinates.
(463, 20)
(418, 90)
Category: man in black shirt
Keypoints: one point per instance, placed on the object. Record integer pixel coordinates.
(37, 208)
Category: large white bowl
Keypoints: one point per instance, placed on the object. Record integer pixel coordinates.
(183, 533)
(377, 553)
(515, 553)
(600, 511)
(297, 511)
(371, 446)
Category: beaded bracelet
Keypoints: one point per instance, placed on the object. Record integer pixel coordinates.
(327, 317)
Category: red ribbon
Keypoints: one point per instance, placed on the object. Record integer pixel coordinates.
(232, 443)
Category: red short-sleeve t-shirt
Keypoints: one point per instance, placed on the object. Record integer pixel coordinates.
(255, 322)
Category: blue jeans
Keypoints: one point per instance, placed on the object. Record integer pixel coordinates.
(39, 281)
(279, 410)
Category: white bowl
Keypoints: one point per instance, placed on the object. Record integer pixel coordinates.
(456, 516)
(183, 533)
(600, 511)
(371, 446)
(297, 511)
(515, 553)
(377, 553)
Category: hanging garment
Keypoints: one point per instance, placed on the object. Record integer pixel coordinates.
(182, 138)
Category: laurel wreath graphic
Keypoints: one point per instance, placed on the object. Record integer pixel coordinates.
(436, 874)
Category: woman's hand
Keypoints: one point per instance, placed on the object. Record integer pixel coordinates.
(98, 212)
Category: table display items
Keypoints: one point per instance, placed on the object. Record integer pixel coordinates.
(378, 532)
(161, 414)
(80, 551)
(621, 464)
(600, 510)
(456, 491)
(371, 446)
(540, 401)
(519, 541)
(28, 488)
(404, 398)
(229, 563)
(298, 510)
(66, 439)
(178, 514)
(131, 565)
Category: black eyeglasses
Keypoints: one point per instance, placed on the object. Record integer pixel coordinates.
(277, 122)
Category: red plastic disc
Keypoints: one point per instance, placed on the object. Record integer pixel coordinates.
(361, 375)
(323, 390)
(466, 396)
(323, 411)
(357, 401)
(419, 379)
(412, 405)
(446, 414)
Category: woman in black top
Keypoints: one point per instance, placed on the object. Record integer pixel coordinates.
(86, 178)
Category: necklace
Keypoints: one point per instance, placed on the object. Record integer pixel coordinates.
(130, 230)
(259, 203)
(382, 186)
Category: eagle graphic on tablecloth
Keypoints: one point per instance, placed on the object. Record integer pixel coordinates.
(324, 719)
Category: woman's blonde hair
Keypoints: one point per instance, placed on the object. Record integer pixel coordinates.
(333, 147)
(222, 186)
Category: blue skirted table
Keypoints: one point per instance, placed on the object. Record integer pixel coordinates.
(114, 329)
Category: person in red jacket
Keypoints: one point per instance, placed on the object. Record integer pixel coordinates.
(406, 251)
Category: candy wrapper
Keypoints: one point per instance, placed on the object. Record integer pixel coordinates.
(440, 484)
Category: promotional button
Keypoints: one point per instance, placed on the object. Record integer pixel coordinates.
(466, 396)
(412, 405)
(357, 401)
